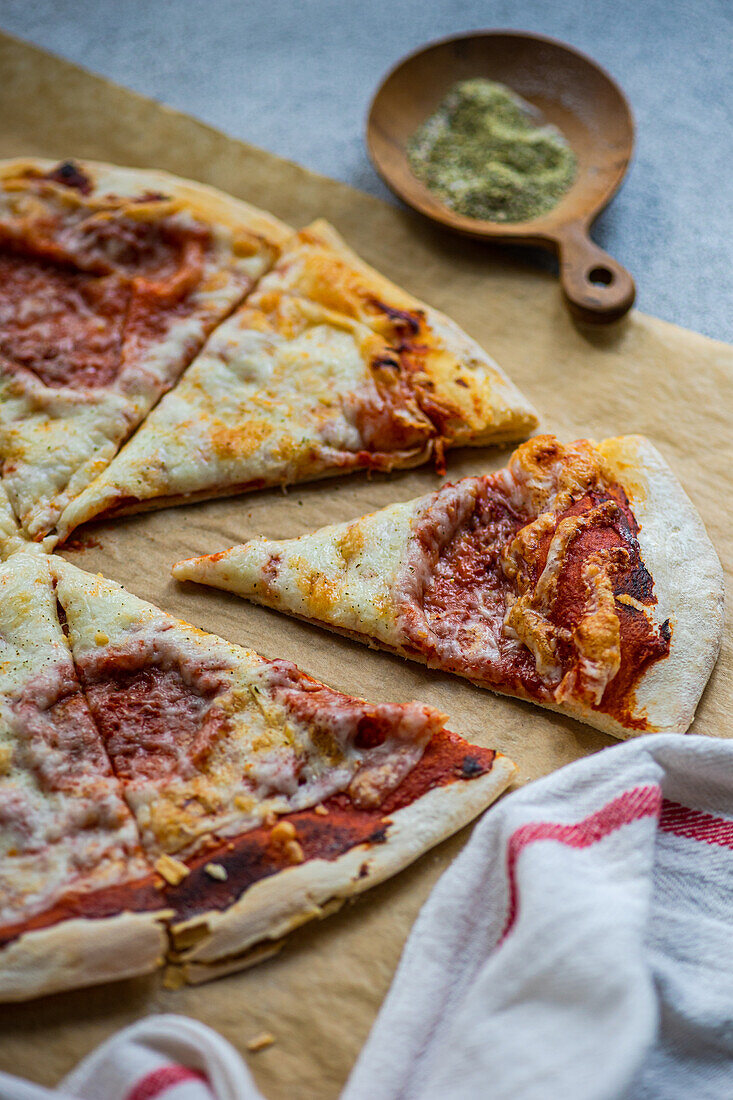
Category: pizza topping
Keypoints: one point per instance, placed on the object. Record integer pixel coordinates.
(216, 871)
(86, 284)
(373, 745)
(70, 175)
(154, 721)
(171, 869)
(531, 580)
(252, 856)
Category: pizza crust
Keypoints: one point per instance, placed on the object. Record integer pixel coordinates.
(274, 906)
(205, 202)
(688, 583)
(481, 412)
(82, 952)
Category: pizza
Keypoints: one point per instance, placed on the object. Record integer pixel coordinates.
(326, 368)
(166, 795)
(580, 577)
(110, 280)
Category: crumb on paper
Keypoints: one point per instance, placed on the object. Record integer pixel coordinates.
(172, 870)
(217, 871)
(173, 978)
(260, 1042)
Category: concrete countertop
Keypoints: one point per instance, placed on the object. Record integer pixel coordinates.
(297, 79)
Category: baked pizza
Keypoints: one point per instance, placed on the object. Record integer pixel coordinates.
(580, 577)
(110, 280)
(325, 369)
(165, 794)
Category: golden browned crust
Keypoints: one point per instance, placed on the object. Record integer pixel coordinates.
(82, 952)
(204, 202)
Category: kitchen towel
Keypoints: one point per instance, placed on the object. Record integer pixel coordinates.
(580, 947)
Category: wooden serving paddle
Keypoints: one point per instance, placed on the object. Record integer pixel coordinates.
(572, 93)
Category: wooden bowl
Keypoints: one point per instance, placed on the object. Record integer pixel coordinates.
(574, 94)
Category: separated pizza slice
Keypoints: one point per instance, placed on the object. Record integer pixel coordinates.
(110, 280)
(261, 795)
(79, 901)
(327, 368)
(580, 577)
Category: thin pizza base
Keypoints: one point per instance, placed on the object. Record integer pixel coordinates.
(275, 906)
(82, 952)
(269, 889)
(85, 951)
(355, 600)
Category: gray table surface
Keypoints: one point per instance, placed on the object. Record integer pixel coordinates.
(297, 77)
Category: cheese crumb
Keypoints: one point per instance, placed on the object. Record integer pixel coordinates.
(172, 870)
(215, 870)
(6, 757)
(282, 832)
(101, 638)
(294, 852)
(173, 978)
(320, 809)
(261, 1041)
(631, 602)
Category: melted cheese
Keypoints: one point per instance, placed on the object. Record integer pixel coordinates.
(284, 743)
(306, 380)
(55, 441)
(63, 823)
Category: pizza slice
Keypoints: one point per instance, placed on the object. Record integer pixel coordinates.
(110, 280)
(78, 898)
(327, 368)
(579, 577)
(262, 797)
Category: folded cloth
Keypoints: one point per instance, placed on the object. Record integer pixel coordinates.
(579, 948)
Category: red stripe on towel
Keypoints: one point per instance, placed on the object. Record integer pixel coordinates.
(158, 1081)
(630, 806)
(696, 825)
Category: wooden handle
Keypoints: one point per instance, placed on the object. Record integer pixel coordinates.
(596, 287)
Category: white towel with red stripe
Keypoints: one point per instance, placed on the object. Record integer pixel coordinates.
(580, 948)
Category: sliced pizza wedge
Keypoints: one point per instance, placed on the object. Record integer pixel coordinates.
(79, 900)
(580, 577)
(327, 368)
(260, 795)
(110, 280)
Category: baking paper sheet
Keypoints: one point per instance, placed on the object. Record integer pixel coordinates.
(320, 995)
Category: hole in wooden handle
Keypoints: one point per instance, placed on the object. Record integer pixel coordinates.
(597, 289)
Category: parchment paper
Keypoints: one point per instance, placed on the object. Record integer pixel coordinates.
(320, 995)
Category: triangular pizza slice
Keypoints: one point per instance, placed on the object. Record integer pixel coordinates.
(579, 577)
(110, 280)
(78, 899)
(260, 794)
(326, 369)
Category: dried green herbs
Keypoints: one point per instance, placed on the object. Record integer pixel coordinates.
(487, 154)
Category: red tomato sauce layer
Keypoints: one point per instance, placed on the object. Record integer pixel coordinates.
(154, 724)
(468, 594)
(77, 316)
(253, 856)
